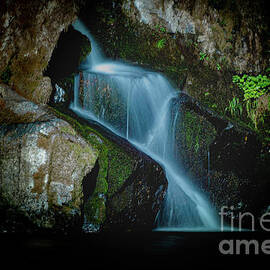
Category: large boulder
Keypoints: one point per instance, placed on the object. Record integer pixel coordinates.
(125, 189)
(43, 163)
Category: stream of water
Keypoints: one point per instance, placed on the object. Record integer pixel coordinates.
(136, 104)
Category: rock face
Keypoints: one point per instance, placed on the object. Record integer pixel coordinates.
(29, 32)
(125, 189)
(51, 177)
(136, 204)
(227, 161)
(199, 45)
(222, 29)
(43, 162)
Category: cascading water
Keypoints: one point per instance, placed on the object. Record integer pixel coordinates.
(137, 104)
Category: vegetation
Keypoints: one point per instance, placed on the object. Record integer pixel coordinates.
(255, 90)
(235, 107)
(253, 86)
(202, 56)
(161, 43)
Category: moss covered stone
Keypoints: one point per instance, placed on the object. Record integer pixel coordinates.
(194, 134)
(125, 176)
(115, 166)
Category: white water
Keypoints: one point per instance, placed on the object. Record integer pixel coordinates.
(137, 104)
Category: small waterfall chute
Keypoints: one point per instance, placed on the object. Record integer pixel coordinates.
(137, 104)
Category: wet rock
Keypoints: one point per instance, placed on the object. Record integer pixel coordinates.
(126, 187)
(226, 160)
(17, 109)
(136, 204)
(53, 178)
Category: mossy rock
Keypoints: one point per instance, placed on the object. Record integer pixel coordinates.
(123, 172)
(226, 160)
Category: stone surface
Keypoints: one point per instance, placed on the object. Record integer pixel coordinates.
(125, 189)
(226, 160)
(136, 204)
(17, 109)
(53, 178)
(43, 162)
(221, 31)
(29, 32)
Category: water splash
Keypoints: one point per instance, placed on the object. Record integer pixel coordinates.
(137, 104)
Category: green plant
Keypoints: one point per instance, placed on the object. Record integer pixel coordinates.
(202, 56)
(251, 107)
(160, 28)
(253, 86)
(161, 43)
(235, 107)
(222, 22)
(218, 67)
(223, 59)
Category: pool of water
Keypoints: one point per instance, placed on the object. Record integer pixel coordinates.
(140, 249)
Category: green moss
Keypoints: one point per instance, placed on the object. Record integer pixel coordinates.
(95, 210)
(85, 50)
(115, 166)
(102, 185)
(120, 168)
(68, 130)
(196, 130)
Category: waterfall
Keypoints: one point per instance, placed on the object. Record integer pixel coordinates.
(137, 104)
(96, 55)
